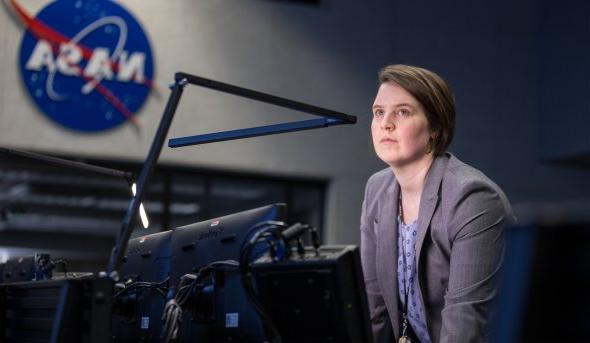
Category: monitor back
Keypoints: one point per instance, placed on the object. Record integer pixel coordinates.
(138, 313)
(222, 312)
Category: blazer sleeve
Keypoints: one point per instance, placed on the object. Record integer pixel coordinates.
(380, 322)
(477, 218)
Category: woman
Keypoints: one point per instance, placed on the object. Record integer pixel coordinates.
(431, 226)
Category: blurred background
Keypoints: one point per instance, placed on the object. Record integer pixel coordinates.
(520, 72)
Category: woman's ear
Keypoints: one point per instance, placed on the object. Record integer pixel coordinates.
(434, 134)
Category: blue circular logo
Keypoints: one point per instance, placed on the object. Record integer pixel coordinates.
(87, 65)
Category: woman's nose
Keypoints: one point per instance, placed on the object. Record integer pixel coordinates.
(387, 123)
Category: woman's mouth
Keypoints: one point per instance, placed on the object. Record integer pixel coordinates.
(387, 140)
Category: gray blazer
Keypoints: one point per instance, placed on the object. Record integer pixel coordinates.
(459, 248)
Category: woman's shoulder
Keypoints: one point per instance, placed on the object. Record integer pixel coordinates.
(465, 187)
(382, 176)
(380, 182)
(460, 175)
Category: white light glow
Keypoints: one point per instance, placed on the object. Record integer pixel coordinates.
(142, 213)
(4, 255)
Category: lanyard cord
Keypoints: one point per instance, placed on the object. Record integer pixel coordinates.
(406, 288)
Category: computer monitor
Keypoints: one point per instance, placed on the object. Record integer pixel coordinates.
(56, 310)
(222, 312)
(138, 313)
(316, 297)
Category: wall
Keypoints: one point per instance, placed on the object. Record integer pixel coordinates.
(327, 55)
(320, 55)
(491, 52)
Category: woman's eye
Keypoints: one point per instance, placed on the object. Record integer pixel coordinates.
(404, 112)
(378, 113)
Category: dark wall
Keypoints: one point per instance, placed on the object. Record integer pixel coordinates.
(511, 110)
(564, 81)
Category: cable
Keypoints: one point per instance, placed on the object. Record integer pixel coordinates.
(158, 287)
(246, 276)
(191, 284)
(172, 316)
(185, 290)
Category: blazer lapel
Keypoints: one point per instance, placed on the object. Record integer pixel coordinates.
(387, 252)
(429, 201)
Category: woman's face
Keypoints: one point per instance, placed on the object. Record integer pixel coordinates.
(400, 129)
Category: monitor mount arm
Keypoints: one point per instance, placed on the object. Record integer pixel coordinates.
(329, 118)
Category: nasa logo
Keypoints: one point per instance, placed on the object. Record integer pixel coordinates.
(88, 65)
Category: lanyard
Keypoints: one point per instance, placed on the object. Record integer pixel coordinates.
(404, 337)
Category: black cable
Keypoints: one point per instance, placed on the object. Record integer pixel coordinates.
(300, 248)
(246, 276)
(203, 272)
(172, 316)
(190, 283)
(315, 240)
(268, 223)
(159, 287)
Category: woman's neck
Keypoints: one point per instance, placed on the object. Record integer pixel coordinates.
(411, 177)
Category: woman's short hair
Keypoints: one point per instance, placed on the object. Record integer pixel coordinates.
(433, 93)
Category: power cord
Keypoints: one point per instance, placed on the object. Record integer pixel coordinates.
(273, 231)
(159, 287)
(189, 285)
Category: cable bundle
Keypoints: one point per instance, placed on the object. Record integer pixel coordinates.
(190, 284)
(159, 287)
(275, 236)
(271, 235)
(172, 318)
